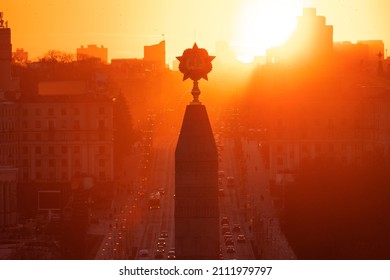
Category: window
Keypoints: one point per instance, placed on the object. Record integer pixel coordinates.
(38, 150)
(102, 163)
(101, 124)
(64, 149)
(101, 149)
(101, 110)
(77, 149)
(51, 150)
(63, 111)
(76, 124)
(38, 163)
(64, 162)
(37, 124)
(38, 175)
(51, 124)
(50, 112)
(38, 111)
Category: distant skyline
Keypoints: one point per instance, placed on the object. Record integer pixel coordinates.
(124, 27)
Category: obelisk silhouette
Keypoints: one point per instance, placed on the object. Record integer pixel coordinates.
(196, 171)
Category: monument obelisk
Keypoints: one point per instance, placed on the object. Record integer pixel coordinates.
(196, 170)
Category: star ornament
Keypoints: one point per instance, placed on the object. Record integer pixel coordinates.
(195, 63)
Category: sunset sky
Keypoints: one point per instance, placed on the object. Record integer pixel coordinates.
(125, 26)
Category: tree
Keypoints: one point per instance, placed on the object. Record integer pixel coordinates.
(57, 56)
(123, 129)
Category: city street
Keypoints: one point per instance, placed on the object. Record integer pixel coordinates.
(252, 229)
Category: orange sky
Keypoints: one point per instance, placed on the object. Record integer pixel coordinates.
(125, 26)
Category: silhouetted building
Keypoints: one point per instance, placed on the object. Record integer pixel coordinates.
(348, 126)
(154, 56)
(92, 51)
(8, 133)
(376, 49)
(311, 42)
(5, 54)
(196, 188)
(351, 56)
(63, 137)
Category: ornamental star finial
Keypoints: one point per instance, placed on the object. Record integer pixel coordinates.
(195, 64)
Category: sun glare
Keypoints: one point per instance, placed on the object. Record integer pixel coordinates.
(261, 25)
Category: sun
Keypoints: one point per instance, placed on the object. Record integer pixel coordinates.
(262, 24)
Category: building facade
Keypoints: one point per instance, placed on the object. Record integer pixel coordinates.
(62, 138)
(351, 128)
(66, 136)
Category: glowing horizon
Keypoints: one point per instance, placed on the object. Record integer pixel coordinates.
(248, 26)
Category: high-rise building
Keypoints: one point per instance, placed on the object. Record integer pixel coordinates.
(8, 133)
(154, 56)
(312, 41)
(5, 54)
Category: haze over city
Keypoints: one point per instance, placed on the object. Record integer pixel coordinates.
(249, 26)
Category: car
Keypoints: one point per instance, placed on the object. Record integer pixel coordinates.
(171, 255)
(225, 228)
(221, 192)
(230, 249)
(161, 248)
(161, 240)
(229, 241)
(236, 228)
(164, 234)
(221, 174)
(241, 238)
(225, 221)
(143, 254)
(227, 235)
(161, 191)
